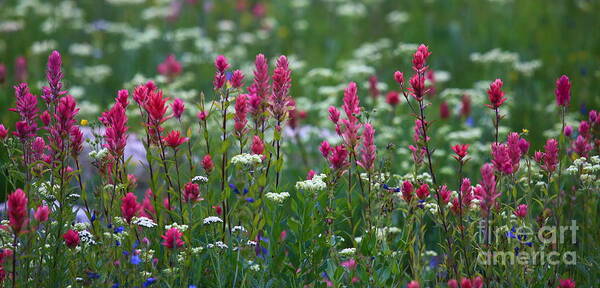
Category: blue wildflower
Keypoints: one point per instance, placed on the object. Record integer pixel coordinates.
(135, 260)
(250, 200)
(149, 282)
(93, 275)
(119, 229)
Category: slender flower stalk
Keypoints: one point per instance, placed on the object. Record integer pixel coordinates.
(279, 106)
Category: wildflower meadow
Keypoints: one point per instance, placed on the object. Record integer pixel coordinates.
(306, 143)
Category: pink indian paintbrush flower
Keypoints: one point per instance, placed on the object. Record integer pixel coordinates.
(76, 137)
(202, 115)
(465, 106)
(191, 192)
(550, 156)
(584, 129)
(115, 134)
(466, 192)
(349, 264)
(423, 191)
(444, 110)
(581, 146)
(147, 209)
(207, 163)
(417, 87)
(325, 149)
(311, 174)
(461, 151)
(568, 131)
(129, 207)
(237, 79)
(2, 73)
(563, 91)
(257, 147)
(334, 114)
(501, 158)
(521, 211)
(26, 105)
(17, 211)
(21, 69)
(71, 238)
(413, 284)
(3, 132)
(260, 88)
(177, 107)
(174, 139)
(445, 194)
(41, 213)
(420, 57)
(566, 283)
(407, 191)
(45, 117)
(351, 102)
(392, 98)
(123, 98)
(170, 67)
(515, 150)
(399, 77)
(221, 64)
(156, 107)
(486, 193)
(54, 75)
(368, 150)
(240, 120)
(373, 86)
(338, 159)
(172, 238)
(452, 283)
(496, 95)
(282, 82)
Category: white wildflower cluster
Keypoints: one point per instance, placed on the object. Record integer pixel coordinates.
(119, 221)
(147, 255)
(251, 243)
(277, 197)
(498, 56)
(254, 267)
(212, 219)
(397, 17)
(588, 170)
(315, 184)
(180, 227)
(80, 226)
(352, 10)
(239, 229)
(46, 191)
(200, 179)
(381, 233)
(432, 207)
(144, 222)
(347, 252)
(217, 244)
(98, 155)
(246, 159)
(116, 236)
(430, 253)
(86, 237)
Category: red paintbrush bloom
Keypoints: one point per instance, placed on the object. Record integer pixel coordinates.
(258, 147)
(17, 210)
(76, 141)
(71, 238)
(115, 134)
(417, 87)
(172, 238)
(178, 107)
(3, 132)
(207, 163)
(465, 106)
(325, 148)
(241, 109)
(501, 158)
(280, 97)
(191, 192)
(521, 211)
(550, 155)
(563, 91)
(373, 86)
(444, 110)
(392, 98)
(486, 192)
(445, 194)
(41, 213)
(413, 284)
(368, 151)
(495, 94)
(123, 98)
(423, 191)
(399, 77)
(237, 79)
(334, 114)
(407, 191)
(156, 107)
(170, 68)
(129, 207)
(174, 139)
(338, 159)
(147, 208)
(566, 283)
(26, 104)
(259, 87)
(461, 151)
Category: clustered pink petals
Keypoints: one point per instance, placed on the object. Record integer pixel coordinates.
(17, 211)
(3, 132)
(496, 95)
(222, 64)
(64, 123)
(237, 79)
(501, 159)
(174, 139)
(170, 68)
(521, 211)
(129, 207)
(207, 163)
(71, 238)
(407, 191)
(423, 191)
(486, 192)
(41, 213)
(368, 151)
(392, 98)
(115, 135)
(280, 98)
(257, 147)
(240, 120)
(338, 159)
(178, 107)
(566, 283)
(172, 238)
(191, 192)
(549, 157)
(259, 90)
(54, 75)
(563, 91)
(581, 146)
(461, 151)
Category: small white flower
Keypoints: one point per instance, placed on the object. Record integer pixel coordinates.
(144, 222)
(316, 184)
(255, 267)
(212, 219)
(240, 229)
(348, 251)
(277, 197)
(251, 243)
(180, 227)
(246, 159)
(199, 179)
